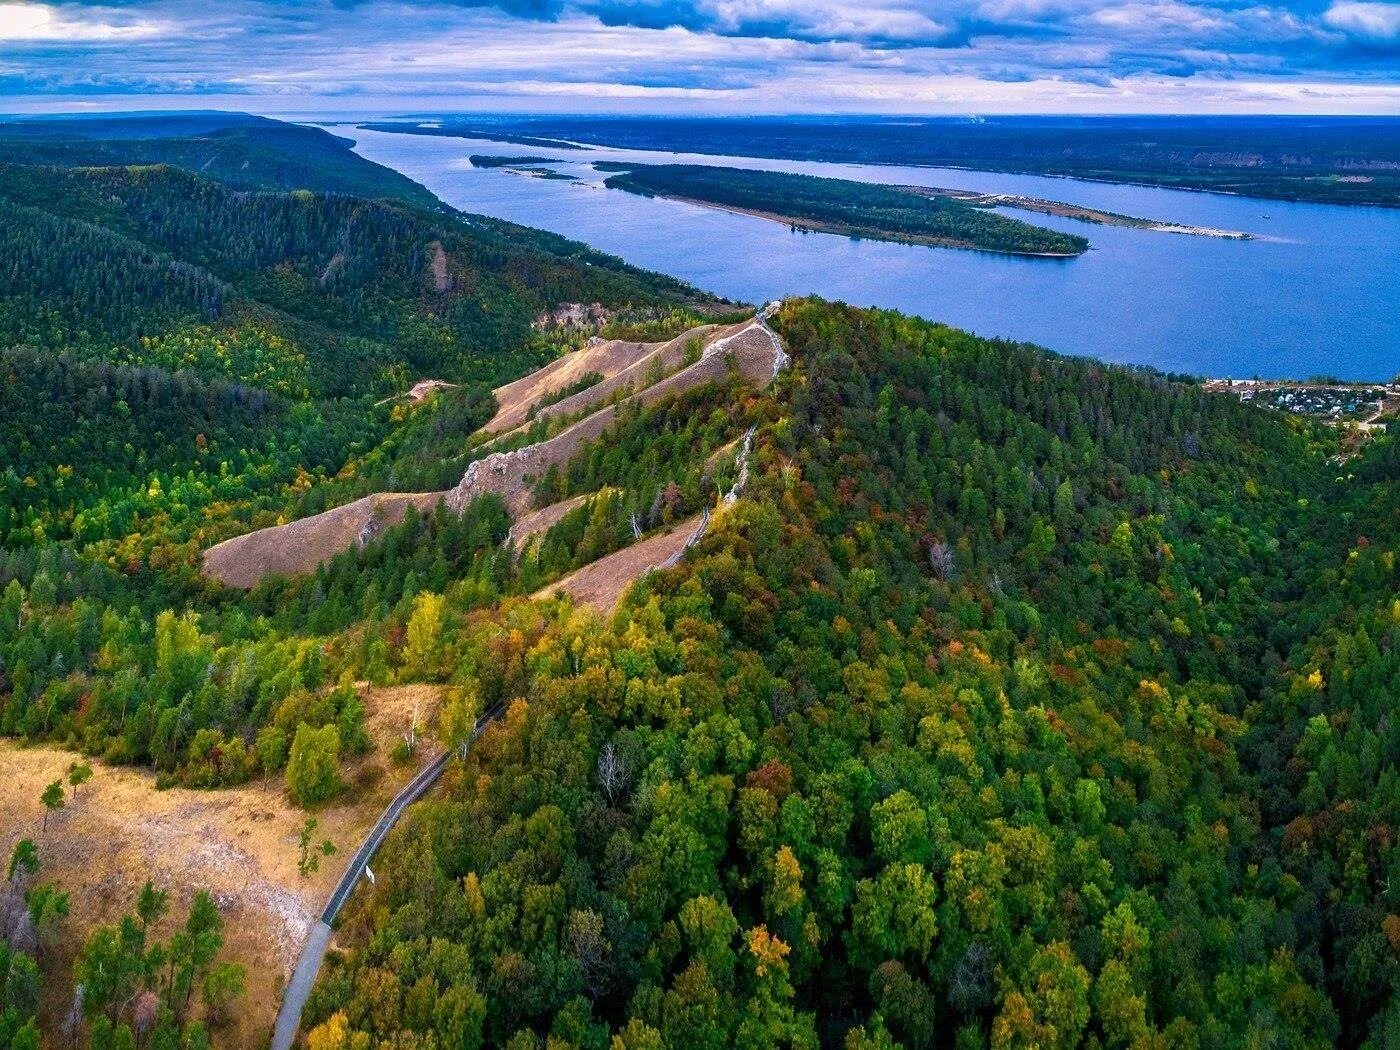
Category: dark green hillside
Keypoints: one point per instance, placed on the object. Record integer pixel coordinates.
(351, 295)
(97, 451)
(241, 151)
(210, 298)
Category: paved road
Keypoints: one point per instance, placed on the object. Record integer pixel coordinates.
(284, 1032)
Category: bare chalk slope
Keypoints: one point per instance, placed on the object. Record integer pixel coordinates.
(608, 358)
(601, 584)
(300, 546)
(751, 349)
(630, 370)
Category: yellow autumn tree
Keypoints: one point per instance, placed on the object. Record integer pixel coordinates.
(334, 1034)
(422, 651)
(460, 710)
(785, 891)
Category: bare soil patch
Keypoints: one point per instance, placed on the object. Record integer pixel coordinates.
(442, 281)
(602, 583)
(611, 359)
(664, 358)
(747, 347)
(544, 519)
(514, 399)
(300, 546)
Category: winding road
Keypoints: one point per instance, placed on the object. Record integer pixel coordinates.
(313, 953)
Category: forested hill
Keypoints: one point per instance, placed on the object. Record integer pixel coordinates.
(1021, 702)
(183, 287)
(1015, 701)
(344, 293)
(242, 151)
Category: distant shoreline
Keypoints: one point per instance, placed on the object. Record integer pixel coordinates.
(988, 169)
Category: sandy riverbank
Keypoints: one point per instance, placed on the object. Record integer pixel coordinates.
(1073, 211)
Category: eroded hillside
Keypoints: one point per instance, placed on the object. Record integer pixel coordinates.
(1018, 698)
(565, 419)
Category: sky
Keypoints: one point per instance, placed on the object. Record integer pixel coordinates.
(364, 57)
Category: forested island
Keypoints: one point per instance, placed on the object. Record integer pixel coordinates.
(841, 206)
(1339, 160)
(489, 160)
(1002, 699)
(532, 167)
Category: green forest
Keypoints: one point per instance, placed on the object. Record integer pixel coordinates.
(1028, 702)
(856, 209)
(1021, 700)
(239, 150)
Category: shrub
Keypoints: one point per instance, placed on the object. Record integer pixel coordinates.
(313, 770)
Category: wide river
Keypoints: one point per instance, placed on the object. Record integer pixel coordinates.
(1316, 292)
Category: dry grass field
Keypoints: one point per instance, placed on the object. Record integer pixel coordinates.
(240, 844)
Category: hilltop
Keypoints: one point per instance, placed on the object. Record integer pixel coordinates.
(975, 709)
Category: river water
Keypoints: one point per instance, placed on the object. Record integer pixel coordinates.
(1317, 292)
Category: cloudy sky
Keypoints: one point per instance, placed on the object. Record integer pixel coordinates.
(752, 56)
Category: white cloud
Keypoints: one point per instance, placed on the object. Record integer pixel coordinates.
(42, 23)
(1375, 22)
(826, 19)
(737, 55)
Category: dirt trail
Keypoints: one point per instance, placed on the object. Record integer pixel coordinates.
(300, 546)
(419, 391)
(240, 844)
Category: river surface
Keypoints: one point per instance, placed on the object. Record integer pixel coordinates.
(1316, 293)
